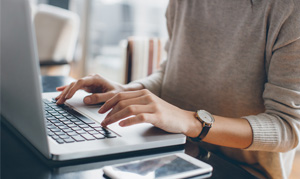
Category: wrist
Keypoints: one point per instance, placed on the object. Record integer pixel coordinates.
(194, 127)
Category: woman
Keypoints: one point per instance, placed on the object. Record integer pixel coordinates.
(237, 60)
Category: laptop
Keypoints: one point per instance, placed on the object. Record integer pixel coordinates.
(36, 119)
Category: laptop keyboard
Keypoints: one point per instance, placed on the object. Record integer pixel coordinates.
(65, 125)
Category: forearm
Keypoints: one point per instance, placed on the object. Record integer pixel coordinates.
(229, 132)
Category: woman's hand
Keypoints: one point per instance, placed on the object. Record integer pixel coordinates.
(143, 106)
(102, 88)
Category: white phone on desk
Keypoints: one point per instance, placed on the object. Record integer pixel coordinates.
(178, 165)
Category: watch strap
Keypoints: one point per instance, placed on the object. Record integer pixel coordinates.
(202, 134)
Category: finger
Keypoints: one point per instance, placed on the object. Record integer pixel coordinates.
(118, 97)
(141, 100)
(80, 84)
(141, 118)
(61, 88)
(58, 97)
(62, 98)
(126, 112)
(97, 98)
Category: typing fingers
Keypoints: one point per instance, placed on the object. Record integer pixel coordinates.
(70, 90)
(131, 110)
(81, 83)
(61, 88)
(97, 98)
(141, 118)
(120, 97)
(61, 98)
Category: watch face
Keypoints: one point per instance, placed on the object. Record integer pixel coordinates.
(205, 116)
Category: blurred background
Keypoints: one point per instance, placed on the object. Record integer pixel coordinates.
(103, 29)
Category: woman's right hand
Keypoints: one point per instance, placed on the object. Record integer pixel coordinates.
(101, 88)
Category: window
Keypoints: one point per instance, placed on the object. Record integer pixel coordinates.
(109, 23)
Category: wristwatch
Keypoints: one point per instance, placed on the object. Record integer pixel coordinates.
(207, 120)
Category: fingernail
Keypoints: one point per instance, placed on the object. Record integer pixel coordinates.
(100, 110)
(87, 100)
(122, 123)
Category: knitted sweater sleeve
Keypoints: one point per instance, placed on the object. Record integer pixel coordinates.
(154, 81)
(278, 128)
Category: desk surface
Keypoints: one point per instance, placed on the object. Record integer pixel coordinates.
(18, 161)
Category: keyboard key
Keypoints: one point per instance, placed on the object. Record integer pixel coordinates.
(100, 129)
(72, 118)
(105, 131)
(79, 123)
(49, 111)
(49, 124)
(87, 121)
(81, 131)
(78, 138)
(67, 122)
(58, 124)
(64, 136)
(88, 129)
(76, 128)
(62, 118)
(60, 141)
(63, 127)
(93, 132)
(60, 133)
(99, 136)
(75, 120)
(95, 125)
(84, 126)
(69, 140)
(52, 127)
(67, 130)
(55, 130)
(72, 133)
(108, 134)
(88, 136)
(55, 137)
(68, 115)
(55, 121)
(50, 133)
(71, 125)
(51, 118)
(111, 135)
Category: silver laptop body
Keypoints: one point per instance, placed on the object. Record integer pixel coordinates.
(21, 98)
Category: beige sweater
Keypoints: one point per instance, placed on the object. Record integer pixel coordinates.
(238, 58)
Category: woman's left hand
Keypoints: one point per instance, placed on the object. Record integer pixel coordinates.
(142, 106)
